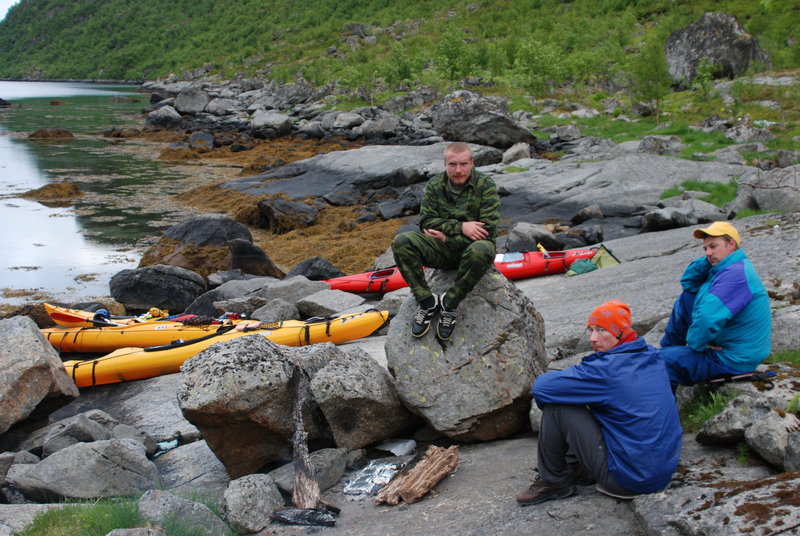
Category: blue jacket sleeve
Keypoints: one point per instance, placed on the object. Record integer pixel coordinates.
(695, 275)
(582, 384)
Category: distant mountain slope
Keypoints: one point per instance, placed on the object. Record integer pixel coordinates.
(534, 43)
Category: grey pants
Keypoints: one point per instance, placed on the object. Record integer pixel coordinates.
(571, 434)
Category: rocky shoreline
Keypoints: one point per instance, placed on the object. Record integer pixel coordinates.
(227, 436)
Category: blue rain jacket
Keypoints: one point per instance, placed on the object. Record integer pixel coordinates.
(731, 310)
(628, 391)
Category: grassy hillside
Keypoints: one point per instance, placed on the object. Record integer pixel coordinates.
(533, 45)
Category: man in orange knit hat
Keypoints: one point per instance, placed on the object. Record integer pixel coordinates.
(611, 419)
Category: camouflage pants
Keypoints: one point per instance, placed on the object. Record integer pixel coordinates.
(413, 251)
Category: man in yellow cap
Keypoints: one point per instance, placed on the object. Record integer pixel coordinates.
(611, 419)
(721, 323)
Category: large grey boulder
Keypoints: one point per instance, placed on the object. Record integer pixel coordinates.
(728, 426)
(717, 37)
(477, 386)
(165, 117)
(525, 236)
(778, 189)
(191, 100)
(206, 244)
(87, 471)
(164, 286)
(33, 381)
(470, 117)
(236, 393)
(769, 436)
(193, 469)
(280, 123)
(250, 500)
(328, 302)
(359, 400)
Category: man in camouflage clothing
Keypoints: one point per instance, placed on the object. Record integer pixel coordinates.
(458, 218)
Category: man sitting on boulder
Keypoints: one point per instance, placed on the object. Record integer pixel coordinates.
(721, 323)
(458, 218)
(611, 419)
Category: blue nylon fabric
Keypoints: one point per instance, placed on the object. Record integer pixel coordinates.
(628, 391)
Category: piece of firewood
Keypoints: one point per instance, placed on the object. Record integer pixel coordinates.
(306, 488)
(437, 463)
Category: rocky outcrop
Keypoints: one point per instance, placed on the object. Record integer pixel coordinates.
(747, 495)
(167, 287)
(718, 38)
(258, 428)
(203, 244)
(98, 469)
(486, 370)
(33, 382)
(470, 117)
(356, 174)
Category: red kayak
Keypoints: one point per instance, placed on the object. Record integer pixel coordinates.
(513, 265)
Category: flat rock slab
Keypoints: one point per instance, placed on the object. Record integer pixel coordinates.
(478, 499)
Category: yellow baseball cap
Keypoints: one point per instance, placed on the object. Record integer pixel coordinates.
(718, 228)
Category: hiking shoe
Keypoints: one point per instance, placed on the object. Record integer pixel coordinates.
(422, 319)
(624, 495)
(447, 322)
(540, 491)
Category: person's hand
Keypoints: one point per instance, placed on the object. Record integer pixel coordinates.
(438, 235)
(474, 230)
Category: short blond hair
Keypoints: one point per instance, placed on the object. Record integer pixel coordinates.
(458, 147)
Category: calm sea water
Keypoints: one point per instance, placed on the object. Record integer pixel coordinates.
(69, 252)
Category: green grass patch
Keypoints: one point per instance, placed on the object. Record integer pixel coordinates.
(514, 169)
(785, 356)
(717, 193)
(747, 212)
(794, 404)
(698, 410)
(742, 453)
(98, 518)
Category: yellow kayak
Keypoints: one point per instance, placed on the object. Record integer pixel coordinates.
(126, 364)
(75, 318)
(107, 339)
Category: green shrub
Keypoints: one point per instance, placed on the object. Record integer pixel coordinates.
(785, 356)
(698, 410)
(718, 193)
(514, 169)
(98, 518)
(747, 212)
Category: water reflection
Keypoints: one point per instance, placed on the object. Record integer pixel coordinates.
(70, 252)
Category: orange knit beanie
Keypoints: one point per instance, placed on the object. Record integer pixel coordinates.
(615, 317)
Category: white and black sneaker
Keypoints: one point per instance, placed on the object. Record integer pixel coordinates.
(422, 319)
(447, 322)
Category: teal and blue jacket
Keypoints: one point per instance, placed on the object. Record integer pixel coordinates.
(628, 391)
(731, 310)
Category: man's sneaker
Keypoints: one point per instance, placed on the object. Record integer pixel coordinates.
(540, 491)
(447, 322)
(624, 495)
(422, 319)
